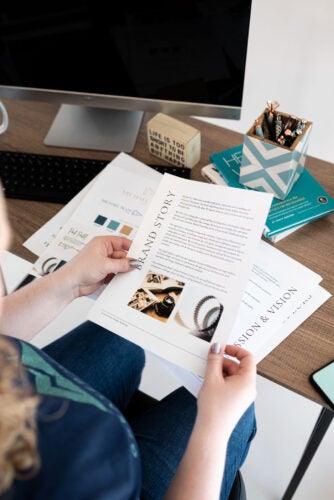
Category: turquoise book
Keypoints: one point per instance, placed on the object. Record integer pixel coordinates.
(306, 202)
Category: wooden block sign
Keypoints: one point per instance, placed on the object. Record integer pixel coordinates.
(173, 141)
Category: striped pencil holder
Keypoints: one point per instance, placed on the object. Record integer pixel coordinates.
(270, 167)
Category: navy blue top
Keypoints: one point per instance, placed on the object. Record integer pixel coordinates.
(86, 447)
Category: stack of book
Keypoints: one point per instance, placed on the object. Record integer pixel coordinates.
(306, 202)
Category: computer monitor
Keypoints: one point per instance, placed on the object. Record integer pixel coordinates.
(114, 62)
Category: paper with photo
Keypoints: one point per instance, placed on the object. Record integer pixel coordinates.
(114, 204)
(198, 242)
(41, 239)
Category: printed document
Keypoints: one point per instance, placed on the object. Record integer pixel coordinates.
(114, 204)
(194, 250)
(123, 179)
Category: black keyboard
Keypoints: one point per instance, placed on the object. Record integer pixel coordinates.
(54, 178)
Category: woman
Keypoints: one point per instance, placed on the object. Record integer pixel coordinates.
(62, 431)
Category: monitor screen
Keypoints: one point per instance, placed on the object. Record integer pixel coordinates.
(182, 57)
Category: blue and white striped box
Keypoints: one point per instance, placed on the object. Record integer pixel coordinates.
(267, 166)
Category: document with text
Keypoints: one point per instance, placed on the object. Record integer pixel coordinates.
(194, 250)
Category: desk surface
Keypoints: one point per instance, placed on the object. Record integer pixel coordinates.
(308, 347)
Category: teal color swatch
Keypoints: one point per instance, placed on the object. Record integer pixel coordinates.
(113, 224)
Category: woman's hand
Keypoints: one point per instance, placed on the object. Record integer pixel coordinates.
(96, 264)
(32, 307)
(229, 387)
(227, 392)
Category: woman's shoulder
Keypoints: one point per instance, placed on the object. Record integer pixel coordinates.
(86, 446)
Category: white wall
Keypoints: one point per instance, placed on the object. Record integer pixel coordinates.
(291, 59)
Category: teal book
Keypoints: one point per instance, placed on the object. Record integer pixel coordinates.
(306, 202)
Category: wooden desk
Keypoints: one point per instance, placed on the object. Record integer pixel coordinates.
(308, 347)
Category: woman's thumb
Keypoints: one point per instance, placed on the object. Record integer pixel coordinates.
(215, 361)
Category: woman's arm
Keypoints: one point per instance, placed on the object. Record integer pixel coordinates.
(228, 390)
(29, 309)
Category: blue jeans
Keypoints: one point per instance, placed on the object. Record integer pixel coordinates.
(113, 366)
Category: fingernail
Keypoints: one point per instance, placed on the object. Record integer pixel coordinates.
(216, 348)
(134, 263)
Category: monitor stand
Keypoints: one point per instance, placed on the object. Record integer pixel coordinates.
(94, 128)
